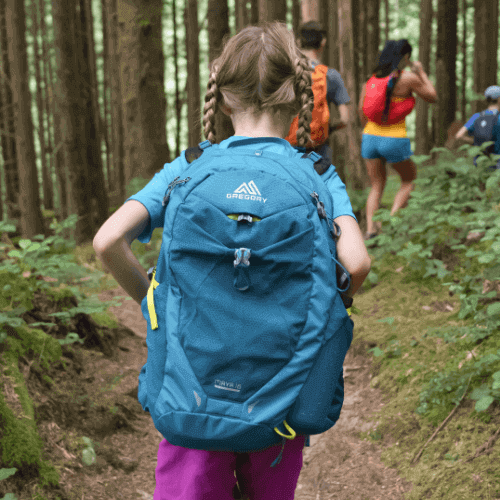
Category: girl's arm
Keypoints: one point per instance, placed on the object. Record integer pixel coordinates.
(421, 84)
(112, 246)
(352, 253)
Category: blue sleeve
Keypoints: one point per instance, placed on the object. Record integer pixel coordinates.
(151, 196)
(470, 124)
(336, 91)
(341, 201)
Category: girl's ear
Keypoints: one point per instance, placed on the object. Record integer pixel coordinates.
(225, 109)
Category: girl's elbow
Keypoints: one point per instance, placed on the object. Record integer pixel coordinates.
(363, 268)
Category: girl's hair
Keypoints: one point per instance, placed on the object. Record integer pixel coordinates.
(388, 60)
(311, 35)
(261, 69)
(490, 100)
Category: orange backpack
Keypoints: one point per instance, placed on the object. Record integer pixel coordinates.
(320, 114)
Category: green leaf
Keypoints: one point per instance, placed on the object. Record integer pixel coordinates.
(33, 247)
(493, 309)
(15, 254)
(88, 456)
(9, 496)
(486, 258)
(88, 441)
(377, 352)
(24, 244)
(480, 392)
(484, 403)
(496, 384)
(5, 473)
(372, 278)
(496, 375)
(389, 320)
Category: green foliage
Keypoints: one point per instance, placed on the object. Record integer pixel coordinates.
(44, 265)
(450, 233)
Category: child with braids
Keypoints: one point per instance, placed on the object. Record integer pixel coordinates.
(261, 81)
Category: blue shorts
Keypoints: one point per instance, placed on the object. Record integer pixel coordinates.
(392, 149)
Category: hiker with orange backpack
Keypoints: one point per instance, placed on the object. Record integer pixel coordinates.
(385, 101)
(328, 87)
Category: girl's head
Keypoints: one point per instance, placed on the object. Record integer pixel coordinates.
(395, 54)
(259, 71)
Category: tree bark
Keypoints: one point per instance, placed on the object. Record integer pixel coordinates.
(117, 117)
(422, 139)
(48, 197)
(193, 73)
(240, 11)
(8, 136)
(387, 20)
(76, 111)
(94, 137)
(296, 12)
(218, 27)
(446, 56)
(176, 80)
(151, 90)
(373, 33)
(310, 10)
(105, 94)
(485, 48)
(31, 221)
(356, 169)
(464, 61)
(272, 10)
(254, 12)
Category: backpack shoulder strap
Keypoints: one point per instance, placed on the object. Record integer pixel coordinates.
(195, 152)
(321, 164)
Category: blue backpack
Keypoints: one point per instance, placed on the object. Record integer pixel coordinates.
(246, 331)
(484, 126)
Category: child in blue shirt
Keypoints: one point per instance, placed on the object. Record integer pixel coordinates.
(261, 81)
(471, 128)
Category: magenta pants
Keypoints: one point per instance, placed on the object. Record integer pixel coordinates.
(185, 474)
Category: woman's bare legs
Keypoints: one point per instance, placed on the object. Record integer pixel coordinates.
(378, 176)
(407, 170)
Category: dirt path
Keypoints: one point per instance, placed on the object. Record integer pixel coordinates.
(338, 464)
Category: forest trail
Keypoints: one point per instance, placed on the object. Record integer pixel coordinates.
(338, 464)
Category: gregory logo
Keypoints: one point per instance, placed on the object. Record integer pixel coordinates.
(247, 191)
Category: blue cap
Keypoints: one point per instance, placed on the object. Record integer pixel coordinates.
(493, 92)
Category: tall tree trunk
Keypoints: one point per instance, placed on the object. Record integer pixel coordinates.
(176, 79)
(485, 47)
(9, 148)
(48, 200)
(218, 27)
(152, 100)
(373, 33)
(105, 93)
(254, 12)
(464, 61)
(446, 56)
(94, 137)
(75, 114)
(46, 79)
(58, 151)
(117, 118)
(240, 11)
(387, 20)
(355, 13)
(193, 73)
(272, 10)
(310, 10)
(29, 196)
(356, 176)
(296, 15)
(422, 139)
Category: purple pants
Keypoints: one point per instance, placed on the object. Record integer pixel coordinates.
(185, 474)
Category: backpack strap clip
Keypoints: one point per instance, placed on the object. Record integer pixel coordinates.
(241, 264)
(321, 164)
(195, 152)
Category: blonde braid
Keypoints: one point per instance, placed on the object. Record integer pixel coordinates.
(303, 72)
(210, 108)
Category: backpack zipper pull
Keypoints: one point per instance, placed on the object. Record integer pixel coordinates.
(170, 188)
(319, 205)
